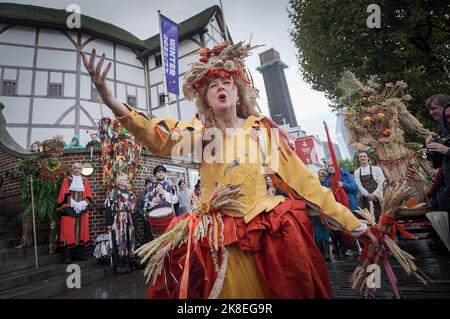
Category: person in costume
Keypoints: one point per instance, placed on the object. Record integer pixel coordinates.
(36, 147)
(185, 197)
(376, 119)
(75, 143)
(161, 194)
(120, 205)
(94, 142)
(141, 209)
(370, 181)
(73, 203)
(239, 242)
(321, 233)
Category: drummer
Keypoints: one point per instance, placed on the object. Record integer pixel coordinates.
(161, 194)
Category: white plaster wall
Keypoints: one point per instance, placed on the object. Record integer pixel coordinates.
(69, 118)
(40, 86)
(173, 112)
(160, 113)
(85, 87)
(19, 134)
(47, 111)
(16, 109)
(24, 85)
(10, 74)
(19, 35)
(54, 39)
(126, 55)
(121, 95)
(130, 74)
(16, 56)
(131, 90)
(101, 46)
(154, 97)
(69, 84)
(84, 120)
(187, 46)
(142, 101)
(151, 61)
(95, 110)
(156, 75)
(56, 77)
(60, 60)
(187, 110)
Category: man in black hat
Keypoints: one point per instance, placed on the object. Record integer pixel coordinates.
(161, 194)
(140, 209)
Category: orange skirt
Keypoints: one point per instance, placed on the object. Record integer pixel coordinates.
(273, 256)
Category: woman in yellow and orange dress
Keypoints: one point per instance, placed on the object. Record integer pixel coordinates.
(267, 246)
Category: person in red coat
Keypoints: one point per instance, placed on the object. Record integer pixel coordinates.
(73, 203)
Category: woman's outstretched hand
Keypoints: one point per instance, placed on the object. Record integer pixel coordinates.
(98, 77)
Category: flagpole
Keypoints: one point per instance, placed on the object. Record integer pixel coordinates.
(166, 105)
(332, 154)
(34, 222)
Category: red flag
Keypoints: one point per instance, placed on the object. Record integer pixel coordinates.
(339, 194)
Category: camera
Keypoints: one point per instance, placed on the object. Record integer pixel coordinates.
(436, 158)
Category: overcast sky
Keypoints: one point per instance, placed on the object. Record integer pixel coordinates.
(267, 22)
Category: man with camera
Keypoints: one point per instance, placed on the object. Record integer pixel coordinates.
(438, 151)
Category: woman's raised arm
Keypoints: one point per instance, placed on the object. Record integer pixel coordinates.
(98, 77)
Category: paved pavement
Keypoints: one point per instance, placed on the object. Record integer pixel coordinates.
(431, 258)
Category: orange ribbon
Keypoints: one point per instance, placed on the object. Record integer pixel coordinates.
(192, 223)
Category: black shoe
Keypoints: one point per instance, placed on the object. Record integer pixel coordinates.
(121, 270)
(82, 254)
(67, 256)
(79, 253)
(326, 252)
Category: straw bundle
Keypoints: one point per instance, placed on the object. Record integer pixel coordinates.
(391, 203)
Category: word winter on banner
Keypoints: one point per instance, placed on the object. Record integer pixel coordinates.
(169, 33)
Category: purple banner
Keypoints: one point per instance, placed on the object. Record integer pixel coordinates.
(169, 33)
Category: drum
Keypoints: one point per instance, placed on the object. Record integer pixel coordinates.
(159, 219)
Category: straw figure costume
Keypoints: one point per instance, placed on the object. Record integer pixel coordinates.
(376, 120)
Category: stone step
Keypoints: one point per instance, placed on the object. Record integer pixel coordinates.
(56, 285)
(13, 254)
(14, 233)
(9, 243)
(11, 225)
(29, 262)
(4, 218)
(28, 276)
(43, 259)
(9, 206)
(4, 210)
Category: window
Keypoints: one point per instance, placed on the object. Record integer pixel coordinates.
(55, 89)
(158, 60)
(162, 99)
(9, 87)
(131, 100)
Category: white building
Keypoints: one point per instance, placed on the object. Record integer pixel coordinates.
(46, 89)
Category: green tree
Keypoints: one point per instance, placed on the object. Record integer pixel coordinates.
(350, 164)
(413, 45)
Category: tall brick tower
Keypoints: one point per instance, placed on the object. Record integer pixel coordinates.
(280, 104)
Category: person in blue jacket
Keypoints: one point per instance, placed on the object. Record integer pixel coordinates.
(346, 245)
(347, 182)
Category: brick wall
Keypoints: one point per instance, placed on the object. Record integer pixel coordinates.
(10, 189)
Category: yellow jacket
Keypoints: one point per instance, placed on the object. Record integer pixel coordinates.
(169, 137)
